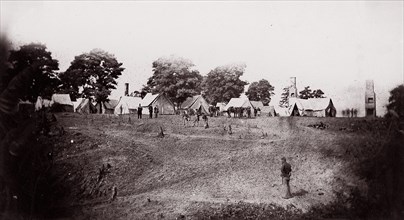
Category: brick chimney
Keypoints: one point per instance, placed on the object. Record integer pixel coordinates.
(126, 89)
(292, 88)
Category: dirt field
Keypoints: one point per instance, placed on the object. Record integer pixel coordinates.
(339, 168)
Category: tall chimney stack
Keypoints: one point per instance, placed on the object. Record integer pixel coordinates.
(126, 89)
(292, 88)
(370, 99)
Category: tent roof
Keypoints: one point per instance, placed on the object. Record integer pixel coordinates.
(257, 104)
(190, 101)
(238, 102)
(148, 99)
(131, 102)
(111, 104)
(83, 103)
(281, 111)
(315, 104)
(63, 99)
(195, 102)
(221, 106)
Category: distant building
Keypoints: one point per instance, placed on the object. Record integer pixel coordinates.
(293, 88)
(370, 99)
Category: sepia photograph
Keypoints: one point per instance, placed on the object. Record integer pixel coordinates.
(202, 109)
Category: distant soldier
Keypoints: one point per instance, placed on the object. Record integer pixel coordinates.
(255, 112)
(150, 111)
(205, 119)
(198, 117)
(185, 117)
(241, 112)
(258, 112)
(139, 112)
(249, 112)
(156, 111)
(285, 174)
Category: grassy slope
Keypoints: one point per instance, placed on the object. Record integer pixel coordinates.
(193, 168)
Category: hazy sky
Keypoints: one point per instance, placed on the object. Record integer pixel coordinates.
(334, 46)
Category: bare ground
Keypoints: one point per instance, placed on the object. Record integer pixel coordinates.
(201, 173)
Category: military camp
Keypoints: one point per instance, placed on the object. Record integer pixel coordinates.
(201, 110)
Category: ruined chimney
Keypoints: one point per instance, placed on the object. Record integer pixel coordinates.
(370, 99)
(292, 88)
(126, 89)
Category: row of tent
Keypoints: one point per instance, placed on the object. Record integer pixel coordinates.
(317, 107)
(125, 105)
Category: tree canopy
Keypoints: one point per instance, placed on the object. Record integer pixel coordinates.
(396, 101)
(94, 73)
(307, 93)
(260, 91)
(174, 77)
(223, 83)
(284, 102)
(45, 78)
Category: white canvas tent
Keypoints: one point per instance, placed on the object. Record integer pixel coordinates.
(268, 111)
(317, 107)
(107, 107)
(165, 105)
(77, 103)
(238, 103)
(85, 107)
(41, 103)
(281, 111)
(62, 103)
(221, 106)
(257, 104)
(196, 102)
(127, 105)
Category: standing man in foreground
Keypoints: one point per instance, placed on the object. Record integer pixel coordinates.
(139, 112)
(286, 173)
(150, 111)
(156, 111)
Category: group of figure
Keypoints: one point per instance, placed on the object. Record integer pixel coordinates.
(151, 110)
(238, 112)
(186, 116)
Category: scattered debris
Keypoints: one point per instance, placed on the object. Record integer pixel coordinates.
(181, 216)
(230, 130)
(161, 134)
(319, 125)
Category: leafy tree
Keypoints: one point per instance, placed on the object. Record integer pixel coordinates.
(95, 73)
(223, 83)
(307, 93)
(4, 65)
(284, 102)
(318, 93)
(260, 91)
(136, 94)
(174, 77)
(396, 101)
(45, 79)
